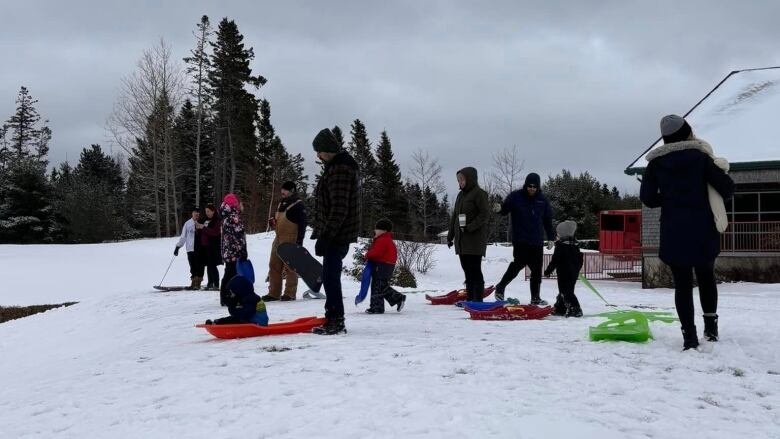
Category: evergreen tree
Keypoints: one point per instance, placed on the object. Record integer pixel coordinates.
(235, 108)
(25, 212)
(360, 148)
(28, 139)
(186, 150)
(389, 195)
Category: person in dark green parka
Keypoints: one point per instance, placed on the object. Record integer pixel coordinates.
(468, 230)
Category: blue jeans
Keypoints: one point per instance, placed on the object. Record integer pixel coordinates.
(332, 264)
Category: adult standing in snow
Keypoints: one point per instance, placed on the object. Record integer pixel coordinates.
(468, 230)
(531, 219)
(233, 241)
(336, 222)
(211, 242)
(677, 178)
(188, 240)
(290, 225)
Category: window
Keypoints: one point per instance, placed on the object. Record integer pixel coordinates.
(612, 223)
(754, 207)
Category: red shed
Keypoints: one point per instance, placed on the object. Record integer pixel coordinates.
(620, 231)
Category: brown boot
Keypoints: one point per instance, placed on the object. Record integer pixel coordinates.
(196, 283)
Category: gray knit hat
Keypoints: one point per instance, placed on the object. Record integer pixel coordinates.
(674, 129)
(566, 229)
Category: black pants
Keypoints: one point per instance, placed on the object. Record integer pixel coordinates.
(196, 264)
(230, 272)
(381, 289)
(475, 282)
(683, 291)
(332, 264)
(566, 290)
(213, 276)
(530, 256)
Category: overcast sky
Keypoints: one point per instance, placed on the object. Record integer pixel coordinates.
(577, 85)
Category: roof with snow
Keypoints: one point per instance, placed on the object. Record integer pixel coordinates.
(740, 118)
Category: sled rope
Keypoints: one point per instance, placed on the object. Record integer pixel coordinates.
(592, 288)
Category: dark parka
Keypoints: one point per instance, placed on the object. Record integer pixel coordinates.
(472, 201)
(531, 216)
(676, 180)
(566, 261)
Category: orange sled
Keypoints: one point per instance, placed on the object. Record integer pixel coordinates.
(244, 330)
(511, 312)
(456, 296)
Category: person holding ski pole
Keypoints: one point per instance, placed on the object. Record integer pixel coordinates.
(468, 230)
(233, 241)
(531, 218)
(187, 240)
(676, 179)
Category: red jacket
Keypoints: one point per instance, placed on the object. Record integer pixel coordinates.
(383, 250)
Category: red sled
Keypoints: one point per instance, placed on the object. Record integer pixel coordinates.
(456, 296)
(244, 330)
(511, 312)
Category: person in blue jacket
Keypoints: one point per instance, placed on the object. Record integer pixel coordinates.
(676, 179)
(243, 304)
(531, 218)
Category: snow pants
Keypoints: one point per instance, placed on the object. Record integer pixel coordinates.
(230, 272)
(526, 255)
(683, 291)
(196, 264)
(381, 289)
(332, 264)
(475, 281)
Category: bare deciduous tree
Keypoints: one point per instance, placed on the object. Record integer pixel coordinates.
(507, 170)
(425, 172)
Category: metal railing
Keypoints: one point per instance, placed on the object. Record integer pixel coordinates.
(757, 237)
(625, 265)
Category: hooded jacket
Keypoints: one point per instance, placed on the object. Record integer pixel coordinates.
(531, 216)
(676, 180)
(473, 202)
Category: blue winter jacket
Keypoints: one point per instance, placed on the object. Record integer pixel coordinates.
(531, 216)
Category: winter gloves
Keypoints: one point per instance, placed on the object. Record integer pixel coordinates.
(176, 251)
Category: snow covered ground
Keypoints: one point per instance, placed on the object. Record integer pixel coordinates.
(127, 362)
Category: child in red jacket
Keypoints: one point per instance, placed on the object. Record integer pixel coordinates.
(383, 255)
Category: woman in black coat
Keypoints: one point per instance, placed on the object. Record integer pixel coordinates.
(676, 180)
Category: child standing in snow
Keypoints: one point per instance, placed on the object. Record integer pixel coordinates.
(383, 255)
(567, 263)
(243, 304)
(233, 240)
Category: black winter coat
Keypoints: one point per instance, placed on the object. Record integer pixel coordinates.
(676, 180)
(566, 261)
(531, 216)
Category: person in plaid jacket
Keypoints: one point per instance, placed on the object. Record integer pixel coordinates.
(336, 222)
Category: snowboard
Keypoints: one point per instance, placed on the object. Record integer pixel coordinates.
(302, 263)
(456, 296)
(172, 288)
(365, 283)
(245, 330)
(511, 312)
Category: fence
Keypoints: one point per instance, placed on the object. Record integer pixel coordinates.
(599, 266)
(757, 237)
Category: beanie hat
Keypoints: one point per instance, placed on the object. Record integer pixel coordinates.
(289, 186)
(325, 141)
(674, 129)
(231, 200)
(384, 224)
(240, 286)
(533, 179)
(566, 229)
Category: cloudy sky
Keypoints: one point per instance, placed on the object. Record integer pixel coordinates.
(577, 85)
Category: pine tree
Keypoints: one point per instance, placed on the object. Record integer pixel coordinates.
(197, 67)
(235, 108)
(389, 195)
(186, 152)
(360, 148)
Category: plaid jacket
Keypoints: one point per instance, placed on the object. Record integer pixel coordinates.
(336, 217)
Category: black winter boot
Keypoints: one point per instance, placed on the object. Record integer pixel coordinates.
(559, 309)
(499, 293)
(332, 326)
(478, 290)
(573, 311)
(690, 339)
(711, 327)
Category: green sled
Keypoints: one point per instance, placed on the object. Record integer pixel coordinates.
(631, 326)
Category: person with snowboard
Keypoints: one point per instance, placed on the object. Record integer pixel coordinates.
(336, 222)
(531, 218)
(243, 304)
(566, 262)
(233, 241)
(290, 225)
(677, 179)
(468, 231)
(211, 241)
(189, 241)
(383, 255)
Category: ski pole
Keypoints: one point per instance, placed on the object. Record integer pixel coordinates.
(588, 284)
(166, 270)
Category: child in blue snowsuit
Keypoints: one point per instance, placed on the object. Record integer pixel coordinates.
(243, 304)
